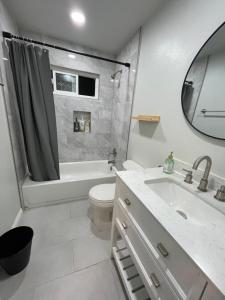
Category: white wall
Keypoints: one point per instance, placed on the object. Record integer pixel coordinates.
(9, 197)
(9, 194)
(170, 42)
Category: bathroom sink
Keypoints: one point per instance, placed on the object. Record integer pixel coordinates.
(188, 205)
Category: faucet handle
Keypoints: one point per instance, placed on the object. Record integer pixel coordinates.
(220, 194)
(188, 177)
(114, 153)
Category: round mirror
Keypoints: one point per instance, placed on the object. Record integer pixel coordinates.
(203, 92)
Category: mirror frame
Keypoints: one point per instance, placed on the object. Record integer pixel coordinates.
(217, 138)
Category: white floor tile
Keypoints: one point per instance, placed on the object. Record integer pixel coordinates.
(10, 287)
(94, 283)
(65, 240)
(37, 217)
(60, 232)
(79, 208)
(89, 251)
(24, 295)
(48, 264)
(111, 282)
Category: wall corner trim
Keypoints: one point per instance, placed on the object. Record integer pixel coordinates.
(17, 218)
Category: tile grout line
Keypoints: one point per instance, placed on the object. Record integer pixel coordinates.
(66, 275)
(73, 271)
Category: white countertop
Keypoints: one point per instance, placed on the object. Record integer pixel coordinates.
(205, 244)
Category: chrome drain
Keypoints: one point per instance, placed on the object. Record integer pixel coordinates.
(182, 214)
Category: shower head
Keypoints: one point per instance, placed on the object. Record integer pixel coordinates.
(113, 76)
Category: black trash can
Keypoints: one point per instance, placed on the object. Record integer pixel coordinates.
(15, 248)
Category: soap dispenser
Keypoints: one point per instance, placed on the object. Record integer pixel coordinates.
(169, 164)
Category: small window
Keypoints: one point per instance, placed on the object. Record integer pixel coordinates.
(65, 83)
(86, 86)
(75, 84)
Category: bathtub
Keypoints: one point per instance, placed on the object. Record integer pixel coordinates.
(76, 179)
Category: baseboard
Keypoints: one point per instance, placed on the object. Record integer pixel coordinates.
(55, 202)
(17, 218)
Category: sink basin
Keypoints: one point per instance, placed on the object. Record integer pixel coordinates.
(188, 205)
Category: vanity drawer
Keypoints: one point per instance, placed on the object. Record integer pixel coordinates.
(178, 267)
(211, 292)
(154, 280)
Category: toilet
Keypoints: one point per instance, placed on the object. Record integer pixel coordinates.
(101, 198)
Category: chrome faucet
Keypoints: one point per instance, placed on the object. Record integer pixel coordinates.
(114, 154)
(112, 162)
(204, 181)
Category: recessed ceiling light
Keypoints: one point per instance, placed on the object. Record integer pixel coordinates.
(72, 56)
(4, 58)
(78, 18)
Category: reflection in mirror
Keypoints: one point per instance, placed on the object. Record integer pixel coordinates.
(203, 93)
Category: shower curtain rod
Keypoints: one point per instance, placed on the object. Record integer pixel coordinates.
(9, 35)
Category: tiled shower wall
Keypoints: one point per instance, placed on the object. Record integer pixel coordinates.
(110, 114)
(123, 99)
(77, 146)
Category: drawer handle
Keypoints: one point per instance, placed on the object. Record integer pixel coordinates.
(155, 280)
(124, 225)
(162, 250)
(127, 201)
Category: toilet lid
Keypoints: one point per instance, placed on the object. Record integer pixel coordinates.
(103, 192)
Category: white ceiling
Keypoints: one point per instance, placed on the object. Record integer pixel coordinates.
(109, 25)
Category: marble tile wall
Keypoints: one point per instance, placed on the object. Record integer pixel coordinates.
(7, 24)
(123, 99)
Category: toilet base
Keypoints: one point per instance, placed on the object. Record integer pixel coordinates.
(102, 217)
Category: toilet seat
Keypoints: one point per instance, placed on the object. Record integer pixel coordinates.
(102, 195)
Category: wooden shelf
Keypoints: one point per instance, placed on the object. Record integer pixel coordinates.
(147, 118)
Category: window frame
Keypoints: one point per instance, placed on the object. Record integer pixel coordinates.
(64, 93)
(76, 74)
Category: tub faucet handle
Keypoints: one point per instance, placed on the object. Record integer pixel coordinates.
(220, 194)
(114, 152)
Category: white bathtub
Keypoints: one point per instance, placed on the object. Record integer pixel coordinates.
(76, 179)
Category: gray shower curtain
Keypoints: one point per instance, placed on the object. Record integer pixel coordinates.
(32, 79)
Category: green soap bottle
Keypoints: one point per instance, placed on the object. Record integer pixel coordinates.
(169, 164)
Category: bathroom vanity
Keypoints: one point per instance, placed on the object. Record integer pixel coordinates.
(167, 242)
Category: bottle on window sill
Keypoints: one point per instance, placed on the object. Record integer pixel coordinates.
(76, 126)
(87, 126)
(82, 124)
